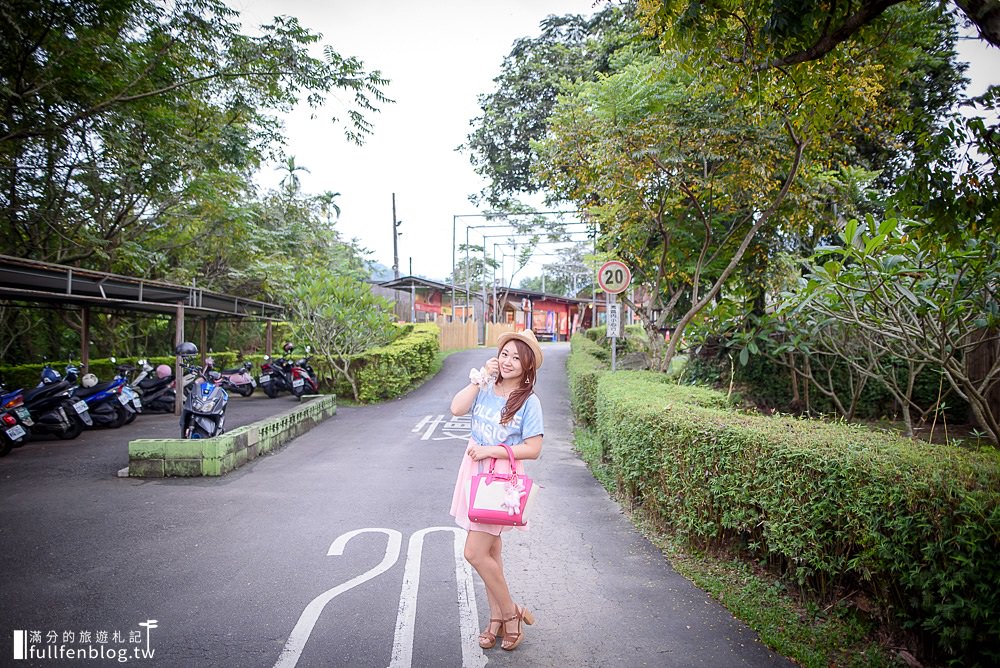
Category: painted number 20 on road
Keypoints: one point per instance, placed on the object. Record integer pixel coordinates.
(614, 277)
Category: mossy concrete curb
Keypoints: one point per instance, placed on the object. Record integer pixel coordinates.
(165, 457)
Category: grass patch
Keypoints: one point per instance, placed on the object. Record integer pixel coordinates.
(589, 447)
(836, 636)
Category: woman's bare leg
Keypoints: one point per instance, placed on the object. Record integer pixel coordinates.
(483, 551)
(495, 613)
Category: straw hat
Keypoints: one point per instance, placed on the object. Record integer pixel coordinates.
(528, 337)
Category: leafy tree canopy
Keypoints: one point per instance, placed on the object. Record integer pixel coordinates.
(943, 165)
(778, 33)
(117, 113)
(569, 49)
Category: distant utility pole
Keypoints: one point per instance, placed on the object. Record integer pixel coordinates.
(395, 236)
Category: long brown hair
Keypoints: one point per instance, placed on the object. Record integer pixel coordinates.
(518, 396)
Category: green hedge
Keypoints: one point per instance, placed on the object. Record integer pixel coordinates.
(635, 338)
(585, 363)
(916, 525)
(389, 371)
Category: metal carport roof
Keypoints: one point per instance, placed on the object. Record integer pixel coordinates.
(33, 281)
(23, 280)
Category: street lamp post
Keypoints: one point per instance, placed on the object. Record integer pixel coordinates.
(454, 244)
(395, 236)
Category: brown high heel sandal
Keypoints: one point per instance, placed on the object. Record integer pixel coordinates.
(488, 639)
(512, 640)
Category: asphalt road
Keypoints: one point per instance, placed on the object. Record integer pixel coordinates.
(337, 550)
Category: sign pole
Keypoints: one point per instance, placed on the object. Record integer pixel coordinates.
(613, 277)
(613, 329)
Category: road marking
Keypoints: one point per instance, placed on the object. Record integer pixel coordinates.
(402, 645)
(452, 426)
(307, 620)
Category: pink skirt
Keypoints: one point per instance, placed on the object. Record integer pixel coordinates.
(460, 498)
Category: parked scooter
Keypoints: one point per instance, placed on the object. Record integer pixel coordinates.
(238, 379)
(204, 411)
(128, 395)
(155, 387)
(303, 377)
(54, 410)
(108, 407)
(276, 373)
(14, 419)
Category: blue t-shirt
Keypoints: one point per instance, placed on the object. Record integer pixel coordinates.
(486, 427)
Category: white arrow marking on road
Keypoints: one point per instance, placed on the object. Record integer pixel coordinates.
(402, 646)
(307, 620)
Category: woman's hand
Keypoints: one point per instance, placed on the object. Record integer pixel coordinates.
(480, 452)
(493, 367)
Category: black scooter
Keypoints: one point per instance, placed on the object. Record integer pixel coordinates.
(54, 410)
(157, 394)
(276, 374)
(15, 420)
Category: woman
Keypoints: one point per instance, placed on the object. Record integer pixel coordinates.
(503, 411)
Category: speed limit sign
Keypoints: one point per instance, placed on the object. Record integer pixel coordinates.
(614, 277)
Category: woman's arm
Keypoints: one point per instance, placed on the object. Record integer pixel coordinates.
(530, 449)
(463, 400)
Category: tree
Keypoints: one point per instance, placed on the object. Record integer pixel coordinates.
(340, 317)
(914, 302)
(792, 33)
(945, 164)
(290, 181)
(570, 275)
(569, 49)
(679, 175)
(117, 112)
(679, 158)
(328, 204)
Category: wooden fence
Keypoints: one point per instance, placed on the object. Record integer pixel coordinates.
(459, 335)
(462, 335)
(493, 331)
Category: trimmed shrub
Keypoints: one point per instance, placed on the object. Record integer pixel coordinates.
(832, 505)
(585, 363)
(389, 371)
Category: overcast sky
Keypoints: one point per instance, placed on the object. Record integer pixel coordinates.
(440, 55)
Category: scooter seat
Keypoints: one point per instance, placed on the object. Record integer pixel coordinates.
(43, 391)
(83, 392)
(236, 370)
(148, 384)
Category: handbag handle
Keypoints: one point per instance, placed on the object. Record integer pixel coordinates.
(510, 458)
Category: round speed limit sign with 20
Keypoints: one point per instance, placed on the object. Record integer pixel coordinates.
(614, 277)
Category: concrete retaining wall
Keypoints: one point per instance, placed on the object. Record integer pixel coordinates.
(163, 457)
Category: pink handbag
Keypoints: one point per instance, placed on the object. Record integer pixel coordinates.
(500, 498)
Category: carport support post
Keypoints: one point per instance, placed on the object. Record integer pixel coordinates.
(203, 340)
(268, 338)
(85, 339)
(178, 370)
